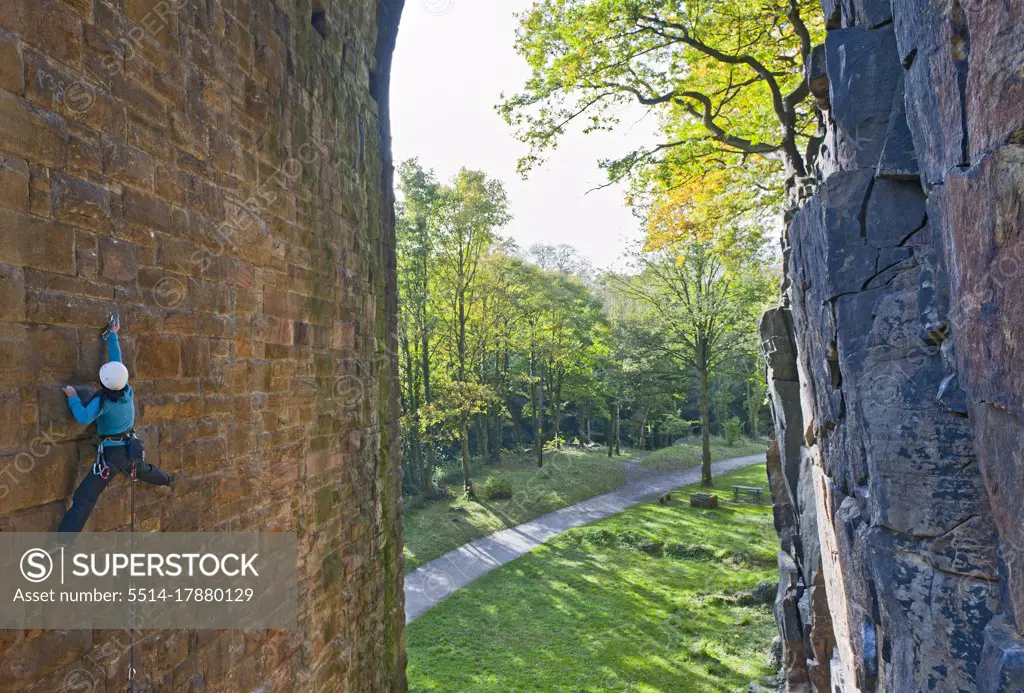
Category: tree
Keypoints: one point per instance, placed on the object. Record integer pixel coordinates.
(727, 78)
(419, 192)
(490, 335)
(705, 295)
(504, 288)
(465, 218)
(560, 258)
(572, 319)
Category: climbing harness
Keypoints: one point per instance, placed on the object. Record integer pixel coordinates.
(100, 467)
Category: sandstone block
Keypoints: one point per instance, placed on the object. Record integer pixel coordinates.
(48, 25)
(12, 293)
(117, 260)
(12, 72)
(146, 210)
(128, 165)
(38, 243)
(42, 654)
(13, 183)
(42, 472)
(54, 353)
(157, 356)
(81, 203)
(32, 133)
(195, 357)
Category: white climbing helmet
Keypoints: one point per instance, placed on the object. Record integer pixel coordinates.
(114, 375)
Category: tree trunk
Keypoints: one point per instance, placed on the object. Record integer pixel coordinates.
(611, 435)
(482, 425)
(412, 404)
(581, 425)
(540, 416)
(428, 472)
(515, 412)
(494, 427)
(496, 430)
(556, 407)
(467, 483)
(618, 430)
(428, 465)
(705, 428)
(753, 407)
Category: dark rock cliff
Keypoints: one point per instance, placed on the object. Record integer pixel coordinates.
(895, 360)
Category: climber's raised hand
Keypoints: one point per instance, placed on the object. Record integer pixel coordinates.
(115, 324)
(69, 391)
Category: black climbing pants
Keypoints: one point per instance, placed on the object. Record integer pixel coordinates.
(93, 485)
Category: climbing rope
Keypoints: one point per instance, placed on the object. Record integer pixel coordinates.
(131, 609)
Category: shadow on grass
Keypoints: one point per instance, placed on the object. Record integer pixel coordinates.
(575, 616)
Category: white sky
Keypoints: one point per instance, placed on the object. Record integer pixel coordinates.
(453, 60)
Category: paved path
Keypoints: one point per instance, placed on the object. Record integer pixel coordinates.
(437, 579)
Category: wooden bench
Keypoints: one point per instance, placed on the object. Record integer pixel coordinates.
(754, 493)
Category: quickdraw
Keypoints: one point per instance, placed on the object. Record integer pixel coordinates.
(113, 318)
(100, 467)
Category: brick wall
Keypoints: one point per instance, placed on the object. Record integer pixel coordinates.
(219, 172)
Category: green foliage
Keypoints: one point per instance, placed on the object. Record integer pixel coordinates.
(444, 233)
(497, 488)
(732, 431)
(725, 77)
(455, 400)
(490, 337)
(674, 426)
(438, 475)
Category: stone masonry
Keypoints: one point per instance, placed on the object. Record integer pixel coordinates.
(219, 172)
(896, 360)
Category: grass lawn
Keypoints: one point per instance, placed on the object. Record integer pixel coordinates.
(568, 477)
(657, 599)
(688, 455)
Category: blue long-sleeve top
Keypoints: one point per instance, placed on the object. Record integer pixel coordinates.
(112, 418)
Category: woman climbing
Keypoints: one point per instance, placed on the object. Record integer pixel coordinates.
(118, 449)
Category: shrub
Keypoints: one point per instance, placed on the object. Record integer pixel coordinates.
(692, 552)
(497, 487)
(438, 477)
(732, 431)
